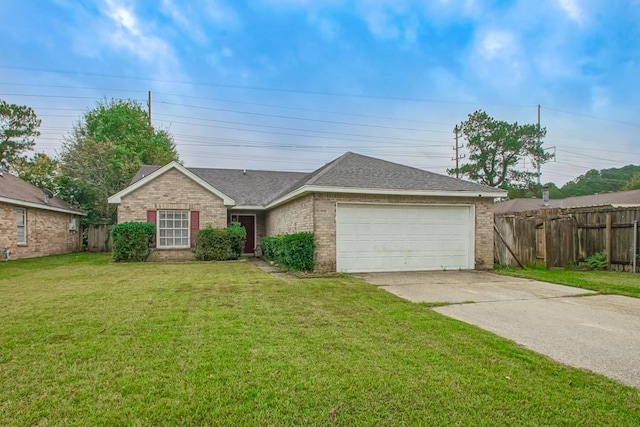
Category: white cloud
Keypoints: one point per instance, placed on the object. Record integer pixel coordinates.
(128, 33)
(572, 9)
(497, 44)
(185, 21)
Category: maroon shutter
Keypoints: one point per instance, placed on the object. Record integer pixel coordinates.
(195, 226)
(152, 218)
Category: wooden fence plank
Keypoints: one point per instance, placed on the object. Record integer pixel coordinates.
(570, 236)
(99, 238)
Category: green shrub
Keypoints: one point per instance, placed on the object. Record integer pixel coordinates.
(212, 244)
(237, 236)
(294, 251)
(597, 261)
(131, 241)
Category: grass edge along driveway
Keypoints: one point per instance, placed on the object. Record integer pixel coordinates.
(87, 342)
(605, 282)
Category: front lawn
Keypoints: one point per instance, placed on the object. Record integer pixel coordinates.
(606, 282)
(87, 342)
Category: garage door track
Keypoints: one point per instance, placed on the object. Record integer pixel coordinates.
(574, 326)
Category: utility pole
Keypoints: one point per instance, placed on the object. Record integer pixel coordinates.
(149, 105)
(538, 142)
(456, 131)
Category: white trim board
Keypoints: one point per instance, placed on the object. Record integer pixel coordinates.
(39, 206)
(387, 192)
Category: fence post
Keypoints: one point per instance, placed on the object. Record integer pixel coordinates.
(608, 240)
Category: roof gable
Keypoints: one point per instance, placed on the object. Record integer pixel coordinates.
(145, 179)
(18, 192)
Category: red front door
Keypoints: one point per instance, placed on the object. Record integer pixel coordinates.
(249, 224)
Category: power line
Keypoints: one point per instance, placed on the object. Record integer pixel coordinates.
(257, 88)
(277, 127)
(302, 118)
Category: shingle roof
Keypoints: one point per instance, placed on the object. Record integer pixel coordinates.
(351, 170)
(13, 188)
(619, 198)
(247, 188)
(358, 171)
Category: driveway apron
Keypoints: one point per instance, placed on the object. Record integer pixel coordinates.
(573, 326)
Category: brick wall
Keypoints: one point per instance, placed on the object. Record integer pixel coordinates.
(47, 233)
(292, 217)
(173, 190)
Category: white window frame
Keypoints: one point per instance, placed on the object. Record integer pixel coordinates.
(159, 229)
(21, 216)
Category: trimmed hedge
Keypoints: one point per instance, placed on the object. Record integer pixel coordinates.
(131, 241)
(237, 236)
(294, 251)
(212, 244)
(219, 244)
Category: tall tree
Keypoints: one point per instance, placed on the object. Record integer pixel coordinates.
(18, 128)
(105, 149)
(496, 150)
(633, 183)
(40, 170)
(600, 181)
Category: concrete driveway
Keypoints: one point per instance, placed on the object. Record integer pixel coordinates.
(573, 326)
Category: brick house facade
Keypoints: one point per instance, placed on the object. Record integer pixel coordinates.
(284, 203)
(33, 224)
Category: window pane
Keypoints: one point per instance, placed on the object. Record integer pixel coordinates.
(21, 226)
(173, 228)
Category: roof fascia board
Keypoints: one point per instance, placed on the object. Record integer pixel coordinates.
(353, 190)
(248, 208)
(117, 198)
(39, 206)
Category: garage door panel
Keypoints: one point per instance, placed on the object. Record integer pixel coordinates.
(403, 238)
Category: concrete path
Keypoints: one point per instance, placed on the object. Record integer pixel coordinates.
(573, 326)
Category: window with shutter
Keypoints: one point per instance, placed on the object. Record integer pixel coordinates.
(173, 229)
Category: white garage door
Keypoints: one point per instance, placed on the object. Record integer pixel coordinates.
(403, 238)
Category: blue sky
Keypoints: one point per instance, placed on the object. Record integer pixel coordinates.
(292, 84)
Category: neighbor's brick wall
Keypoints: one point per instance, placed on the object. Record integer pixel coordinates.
(47, 233)
(173, 190)
(324, 224)
(293, 217)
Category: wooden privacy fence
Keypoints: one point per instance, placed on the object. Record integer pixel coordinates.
(560, 237)
(98, 237)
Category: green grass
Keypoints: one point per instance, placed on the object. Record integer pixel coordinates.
(87, 342)
(606, 282)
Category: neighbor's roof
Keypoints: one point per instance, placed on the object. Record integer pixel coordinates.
(615, 199)
(15, 191)
(349, 171)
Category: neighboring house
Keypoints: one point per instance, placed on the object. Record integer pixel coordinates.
(615, 200)
(366, 214)
(33, 224)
